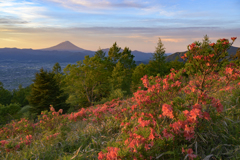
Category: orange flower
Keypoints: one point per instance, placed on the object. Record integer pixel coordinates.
(29, 137)
(225, 42)
(190, 155)
(206, 115)
(229, 70)
(151, 136)
(101, 155)
(223, 39)
(211, 44)
(192, 46)
(233, 38)
(167, 111)
(60, 111)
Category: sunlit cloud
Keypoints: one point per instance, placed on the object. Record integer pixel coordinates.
(9, 40)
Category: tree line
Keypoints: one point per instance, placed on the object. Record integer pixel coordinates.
(92, 81)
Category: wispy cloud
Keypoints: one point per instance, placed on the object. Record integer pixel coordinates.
(21, 12)
(99, 4)
(8, 39)
(11, 20)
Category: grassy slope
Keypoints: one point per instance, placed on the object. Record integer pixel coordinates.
(98, 127)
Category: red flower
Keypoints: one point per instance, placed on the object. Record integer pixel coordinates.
(52, 109)
(211, 44)
(151, 136)
(192, 46)
(147, 147)
(206, 115)
(229, 70)
(101, 155)
(112, 153)
(190, 155)
(225, 42)
(167, 111)
(223, 39)
(176, 126)
(183, 151)
(60, 111)
(233, 38)
(3, 142)
(29, 137)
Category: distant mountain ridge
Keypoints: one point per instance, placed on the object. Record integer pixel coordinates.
(62, 52)
(68, 52)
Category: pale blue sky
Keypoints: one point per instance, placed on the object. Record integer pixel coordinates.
(137, 24)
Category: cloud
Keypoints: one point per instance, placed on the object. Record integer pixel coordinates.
(11, 20)
(16, 12)
(99, 4)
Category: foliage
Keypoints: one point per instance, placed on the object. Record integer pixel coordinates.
(94, 79)
(20, 95)
(158, 64)
(175, 65)
(45, 91)
(9, 112)
(100, 54)
(5, 95)
(86, 81)
(137, 74)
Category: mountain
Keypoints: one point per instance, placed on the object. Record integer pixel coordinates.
(172, 57)
(68, 52)
(64, 46)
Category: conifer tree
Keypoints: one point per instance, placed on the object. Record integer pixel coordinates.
(118, 76)
(114, 53)
(100, 54)
(45, 91)
(158, 55)
(158, 64)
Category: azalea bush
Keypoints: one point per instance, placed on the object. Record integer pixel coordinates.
(171, 117)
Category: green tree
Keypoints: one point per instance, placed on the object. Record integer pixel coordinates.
(157, 65)
(5, 95)
(20, 95)
(100, 53)
(123, 70)
(137, 74)
(87, 81)
(114, 53)
(45, 92)
(126, 58)
(58, 75)
(57, 68)
(177, 65)
(9, 112)
(118, 76)
(206, 42)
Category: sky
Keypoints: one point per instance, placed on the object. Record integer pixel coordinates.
(137, 24)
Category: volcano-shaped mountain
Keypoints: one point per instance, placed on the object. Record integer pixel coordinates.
(65, 46)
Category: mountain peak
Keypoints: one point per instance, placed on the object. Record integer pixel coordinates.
(65, 46)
